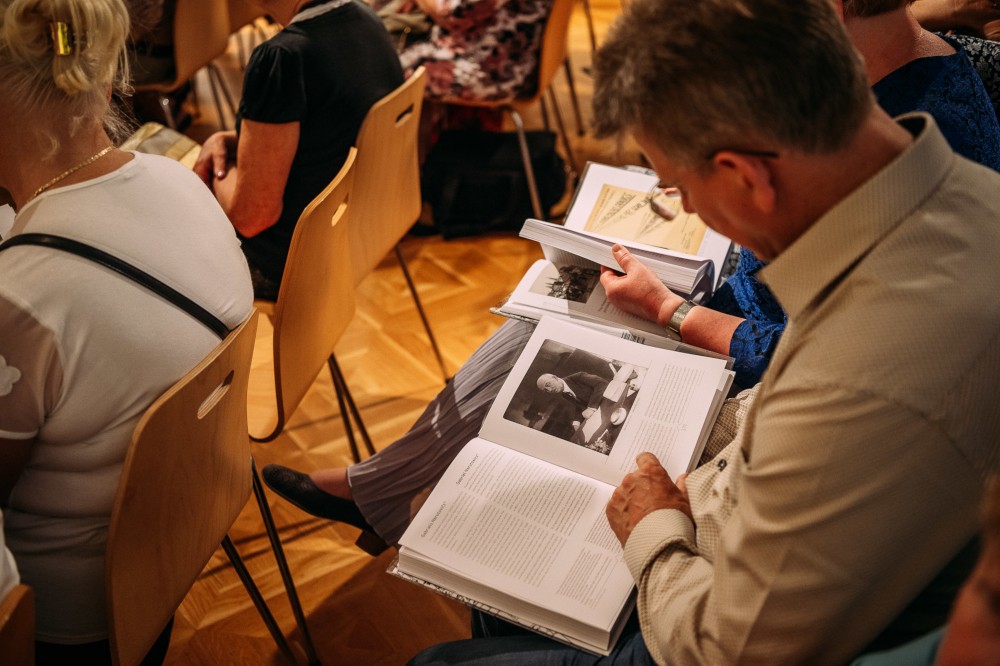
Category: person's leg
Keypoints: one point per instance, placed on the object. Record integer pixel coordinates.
(498, 643)
(385, 486)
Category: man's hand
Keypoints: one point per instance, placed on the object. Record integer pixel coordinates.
(642, 492)
(638, 290)
(587, 413)
(217, 155)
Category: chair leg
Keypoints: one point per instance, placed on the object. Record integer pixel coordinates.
(423, 315)
(529, 172)
(168, 114)
(340, 389)
(562, 131)
(257, 598)
(590, 26)
(344, 394)
(580, 129)
(279, 556)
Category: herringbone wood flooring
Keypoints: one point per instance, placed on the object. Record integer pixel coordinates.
(358, 614)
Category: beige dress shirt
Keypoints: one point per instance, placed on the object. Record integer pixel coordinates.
(856, 466)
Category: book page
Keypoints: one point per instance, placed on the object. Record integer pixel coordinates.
(624, 213)
(536, 531)
(573, 290)
(611, 202)
(624, 398)
(681, 272)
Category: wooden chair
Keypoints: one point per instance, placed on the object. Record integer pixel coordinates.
(242, 14)
(387, 199)
(186, 477)
(17, 627)
(201, 34)
(316, 299)
(315, 304)
(551, 57)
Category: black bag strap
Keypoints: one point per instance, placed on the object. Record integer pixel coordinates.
(146, 280)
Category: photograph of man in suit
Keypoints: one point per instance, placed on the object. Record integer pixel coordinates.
(581, 390)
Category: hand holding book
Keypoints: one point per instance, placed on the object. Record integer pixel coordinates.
(635, 289)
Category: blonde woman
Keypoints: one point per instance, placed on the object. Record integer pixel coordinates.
(84, 350)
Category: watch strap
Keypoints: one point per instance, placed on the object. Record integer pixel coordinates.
(677, 318)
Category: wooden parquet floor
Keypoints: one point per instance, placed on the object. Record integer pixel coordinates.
(358, 614)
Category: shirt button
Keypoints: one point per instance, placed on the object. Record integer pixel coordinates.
(721, 464)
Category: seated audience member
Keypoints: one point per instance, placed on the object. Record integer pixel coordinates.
(480, 49)
(84, 351)
(151, 40)
(857, 466)
(742, 319)
(922, 71)
(972, 635)
(306, 92)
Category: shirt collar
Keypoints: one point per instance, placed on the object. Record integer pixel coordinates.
(314, 9)
(851, 228)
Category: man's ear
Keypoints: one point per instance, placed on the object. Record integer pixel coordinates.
(753, 175)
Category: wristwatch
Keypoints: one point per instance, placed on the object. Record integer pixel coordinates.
(677, 318)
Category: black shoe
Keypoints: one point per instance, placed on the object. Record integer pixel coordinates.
(300, 490)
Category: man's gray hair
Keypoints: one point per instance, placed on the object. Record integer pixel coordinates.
(695, 76)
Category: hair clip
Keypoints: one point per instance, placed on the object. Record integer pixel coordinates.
(62, 38)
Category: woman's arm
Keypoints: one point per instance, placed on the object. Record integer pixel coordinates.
(640, 292)
(251, 191)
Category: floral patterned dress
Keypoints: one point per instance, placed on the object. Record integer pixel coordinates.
(483, 50)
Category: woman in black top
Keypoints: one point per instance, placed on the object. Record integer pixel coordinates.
(305, 94)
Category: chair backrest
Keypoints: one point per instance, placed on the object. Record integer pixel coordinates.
(552, 53)
(316, 299)
(185, 479)
(201, 34)
(386, 199)
(241, 13)
(17, 627)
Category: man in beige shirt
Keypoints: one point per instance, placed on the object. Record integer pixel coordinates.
(856, 467)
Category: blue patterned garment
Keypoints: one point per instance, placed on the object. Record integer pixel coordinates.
(754, 340)
(949, 89)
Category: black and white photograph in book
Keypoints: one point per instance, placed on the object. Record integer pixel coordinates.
(575, 395)
(571, 283)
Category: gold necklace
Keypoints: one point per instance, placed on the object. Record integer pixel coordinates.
(90, 160)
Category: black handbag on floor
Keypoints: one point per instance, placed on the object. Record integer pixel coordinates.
(474, 181)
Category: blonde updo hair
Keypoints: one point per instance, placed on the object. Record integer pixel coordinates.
(38, 82)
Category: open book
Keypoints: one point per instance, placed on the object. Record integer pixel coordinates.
(575, 293)
(516, 525)
(609, 206)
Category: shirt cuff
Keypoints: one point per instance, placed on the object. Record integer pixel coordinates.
(653, 533)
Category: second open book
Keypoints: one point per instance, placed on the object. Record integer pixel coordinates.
(611, 206)
(516, 525)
